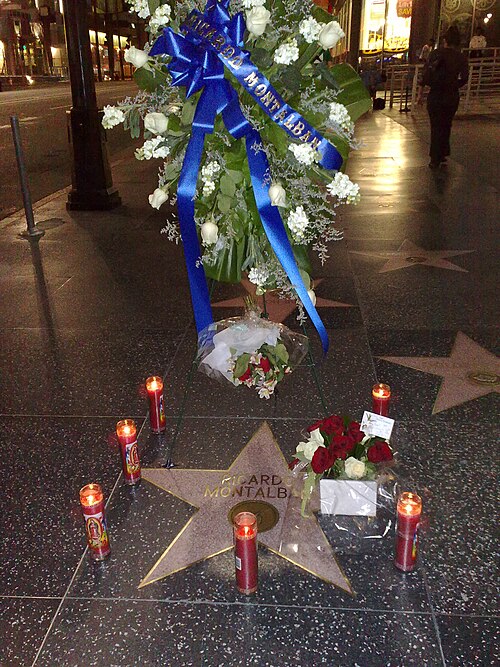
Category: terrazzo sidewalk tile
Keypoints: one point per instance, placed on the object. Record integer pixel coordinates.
(454, 469)
(23, 623)
(287, 636)
(88, 372)
(470, 640)
(143, 521)
(45, 463)
(125, 634)
(414, 392)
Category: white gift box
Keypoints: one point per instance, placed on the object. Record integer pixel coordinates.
(350, 497)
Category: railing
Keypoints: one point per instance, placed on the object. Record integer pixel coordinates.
(483, 84)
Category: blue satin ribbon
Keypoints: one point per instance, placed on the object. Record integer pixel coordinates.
(194, 67)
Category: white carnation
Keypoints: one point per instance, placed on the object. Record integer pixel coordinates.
(210, 170)
(343, 188)
(249, 4)
(208, 188)
(160, 18)
(340, 116)
(304, 153)
(287, 53)
(259, 275)
(152, 149)
(310, 29)
(298, 223)
(141, 7)
(112, 116)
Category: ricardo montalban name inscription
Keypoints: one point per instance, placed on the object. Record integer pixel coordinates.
(253, 487)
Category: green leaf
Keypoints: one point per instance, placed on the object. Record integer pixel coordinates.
(301, 253)
(320, 15)
(241, 365)
(353, 93)
(281, 352)
(291, 78)
(235, 176)
(262, 58)
(148, 80)
(172, 171)
(306, 278)
(227, 269)
(153, 5)
(188, 110)
(227, 187)
(224, 202)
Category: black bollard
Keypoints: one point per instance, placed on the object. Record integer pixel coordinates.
(32, 231)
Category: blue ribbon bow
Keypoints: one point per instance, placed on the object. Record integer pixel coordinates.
(198, 64)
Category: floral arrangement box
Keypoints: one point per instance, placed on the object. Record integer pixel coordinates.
(348, 497)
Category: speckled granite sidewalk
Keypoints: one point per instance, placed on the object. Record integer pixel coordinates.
(410, 298)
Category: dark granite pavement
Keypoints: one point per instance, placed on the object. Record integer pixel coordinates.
(102, 302)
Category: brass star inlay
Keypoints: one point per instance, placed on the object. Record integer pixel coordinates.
(259, 473)
(409, 254)
(468, 373)
(278, 309)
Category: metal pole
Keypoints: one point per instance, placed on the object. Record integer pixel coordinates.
(92, 183)
(32, 231)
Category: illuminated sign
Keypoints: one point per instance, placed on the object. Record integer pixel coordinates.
(385, 26)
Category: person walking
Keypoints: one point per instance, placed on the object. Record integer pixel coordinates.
(446, 71)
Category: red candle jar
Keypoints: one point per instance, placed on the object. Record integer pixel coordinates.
(127, 437)
(381, 397)
(154, 387)
(245, 552)
(92, 502)
(409, 513)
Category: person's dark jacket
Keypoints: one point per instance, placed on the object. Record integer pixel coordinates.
(446, 71)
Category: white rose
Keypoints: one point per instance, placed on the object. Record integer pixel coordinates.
(257, 20)
(354, 469)
(312, 296)
(330, 35)
(158, 197)
(277, 195)
(136, 57)
(308, 448)
(209, 233)
(155, 122)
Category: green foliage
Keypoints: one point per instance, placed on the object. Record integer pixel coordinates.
(241, 365)
(149, 80)
(153, 5)
(353, 93)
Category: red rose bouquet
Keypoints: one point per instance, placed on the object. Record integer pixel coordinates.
(336, 447)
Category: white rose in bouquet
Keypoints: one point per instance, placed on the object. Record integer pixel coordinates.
(155, 122)
(136, 57)
(277, 194)
(312, 296)
(308, 448)
(354, 468)
(257, 20)
(209, 232)
(330, 35)
(158, 198)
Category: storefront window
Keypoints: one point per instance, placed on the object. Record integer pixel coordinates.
(385, 26)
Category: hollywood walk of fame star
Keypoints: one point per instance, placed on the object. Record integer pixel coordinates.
(468, 373)
(259, 473)
(278, 309)
(409, 254)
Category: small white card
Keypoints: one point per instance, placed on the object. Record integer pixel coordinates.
(373, 424)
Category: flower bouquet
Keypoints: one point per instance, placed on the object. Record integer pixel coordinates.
(337, 449)
(251, 129)
(250, 351)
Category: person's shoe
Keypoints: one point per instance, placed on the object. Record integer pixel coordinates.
(434, 165)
